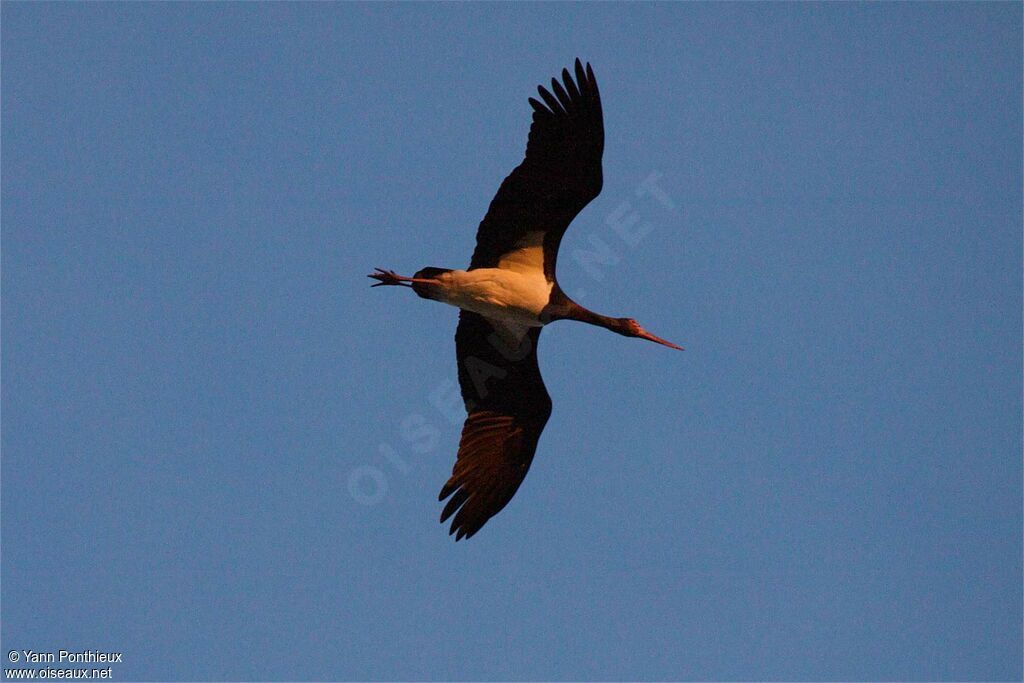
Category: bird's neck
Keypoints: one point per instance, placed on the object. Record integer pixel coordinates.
(584, 315)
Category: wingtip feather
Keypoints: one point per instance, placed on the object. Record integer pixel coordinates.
(549, 100)
(563, 97)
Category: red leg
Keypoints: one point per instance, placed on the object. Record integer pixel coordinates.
(390, 277)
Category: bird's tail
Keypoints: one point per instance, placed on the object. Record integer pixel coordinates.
(424, 290)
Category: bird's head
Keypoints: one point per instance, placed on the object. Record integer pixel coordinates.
(631, 328)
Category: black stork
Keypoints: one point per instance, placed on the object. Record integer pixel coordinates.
(510, 292)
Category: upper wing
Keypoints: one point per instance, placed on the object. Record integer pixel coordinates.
(559, 176)
(508, 407)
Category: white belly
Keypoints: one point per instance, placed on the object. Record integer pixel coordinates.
(498, 293)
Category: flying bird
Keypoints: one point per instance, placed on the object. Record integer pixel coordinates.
(510, 292)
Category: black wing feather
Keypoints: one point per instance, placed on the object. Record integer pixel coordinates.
(560, 175)
(508, 407)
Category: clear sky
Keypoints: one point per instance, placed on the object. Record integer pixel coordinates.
(222, 449)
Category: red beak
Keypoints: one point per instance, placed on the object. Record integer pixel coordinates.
(644, 334)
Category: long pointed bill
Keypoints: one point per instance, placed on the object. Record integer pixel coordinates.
(644, 334)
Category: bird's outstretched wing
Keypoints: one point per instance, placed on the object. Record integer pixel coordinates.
(508, 407)
(559, 176)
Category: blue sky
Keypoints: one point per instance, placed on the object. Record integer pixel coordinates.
(222, 450)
